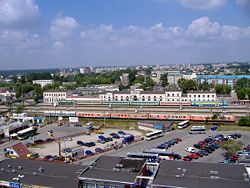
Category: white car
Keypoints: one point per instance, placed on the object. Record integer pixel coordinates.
(68, 139)
(190, 149)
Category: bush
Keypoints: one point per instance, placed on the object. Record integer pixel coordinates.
(244, 121)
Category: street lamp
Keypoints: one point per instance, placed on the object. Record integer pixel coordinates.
(18, 179)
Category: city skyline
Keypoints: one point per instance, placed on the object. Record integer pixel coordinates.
(45, 34)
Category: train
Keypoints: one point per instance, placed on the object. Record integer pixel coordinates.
(168, 103)
(140, 116)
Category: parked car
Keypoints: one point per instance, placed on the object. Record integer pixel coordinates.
(215, 146)
(197, 146)
(101, 141)
(187, 158)
(53, 157)
(190, 149)
(162, 146)
(177, 156)
(40, 141)
(203, 152)
(89, 144)
(47, 157)
(80, 143)
(194, 156)
(237, 135)
(99, 150)
(50, 140)
(88, 152)
(116, 136)
(121, 132)
(67, 150)
(109, 139)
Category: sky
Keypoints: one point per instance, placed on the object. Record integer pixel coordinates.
(77, 33)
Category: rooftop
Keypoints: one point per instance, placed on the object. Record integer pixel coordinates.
(114, 169)
(199, 175)
(52, 174)
(222, 76)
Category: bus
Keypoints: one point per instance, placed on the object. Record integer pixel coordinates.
(197, 130)
(154, 135)
(26, 133)
(183, 124)
(149, 156)
(164, 155)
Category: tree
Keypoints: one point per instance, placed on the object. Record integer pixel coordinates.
(244, 121)
(232, 146)
(205, 86)
(222, 89)
(187, 85)
(164, 79)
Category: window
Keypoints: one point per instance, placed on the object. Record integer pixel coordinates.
(208, 96)
(199, 96)
(168, 95)
(178, 94)
(172, 94)
(213, 96)
(203, 96)
(194, 96)
(190, 96)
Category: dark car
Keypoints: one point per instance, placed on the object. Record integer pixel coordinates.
(34, 155)
(89, 144)
(40, 141)
(208, 140)
(170, 143)
(203, 152)
(108, 139)
(215, 146)
(208, 150)
(197, 146)
(116, 136)
(99, 150)
(121, 132)
(67, 150)
(80, 143)
(237, 135)
(177, 156)
(47, 157)
(162, 146)
(88, 152)
(50, 140)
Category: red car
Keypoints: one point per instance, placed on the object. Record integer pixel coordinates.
(194, 156)
(187, 158)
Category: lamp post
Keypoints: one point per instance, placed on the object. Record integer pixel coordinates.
(18, 179)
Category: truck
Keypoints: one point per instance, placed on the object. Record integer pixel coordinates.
(128, 139)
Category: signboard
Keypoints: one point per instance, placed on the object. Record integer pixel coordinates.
(73, 119)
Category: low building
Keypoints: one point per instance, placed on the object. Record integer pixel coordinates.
(43, 83)
(40, 174)
(197, 175)
(110, 171)
(124, 79)
(17, 150)
(85, 70)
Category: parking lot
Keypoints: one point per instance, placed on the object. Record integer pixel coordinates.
(187, 140)
(52, 148)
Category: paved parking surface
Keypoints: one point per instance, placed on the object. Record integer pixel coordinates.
(187, 140)
(53, 147)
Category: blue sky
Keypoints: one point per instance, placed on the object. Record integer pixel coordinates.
(75, 33)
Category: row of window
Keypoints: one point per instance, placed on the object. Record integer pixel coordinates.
(55, 94)
(203, 96)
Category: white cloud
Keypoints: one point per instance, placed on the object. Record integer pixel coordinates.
(202, 4)
(19, 40)
(203, 27)
(62, 28)
(18, 12)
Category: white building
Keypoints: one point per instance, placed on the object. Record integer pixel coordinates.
(43, 83)
(166, 96)
(51, 97)
(201, 96)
